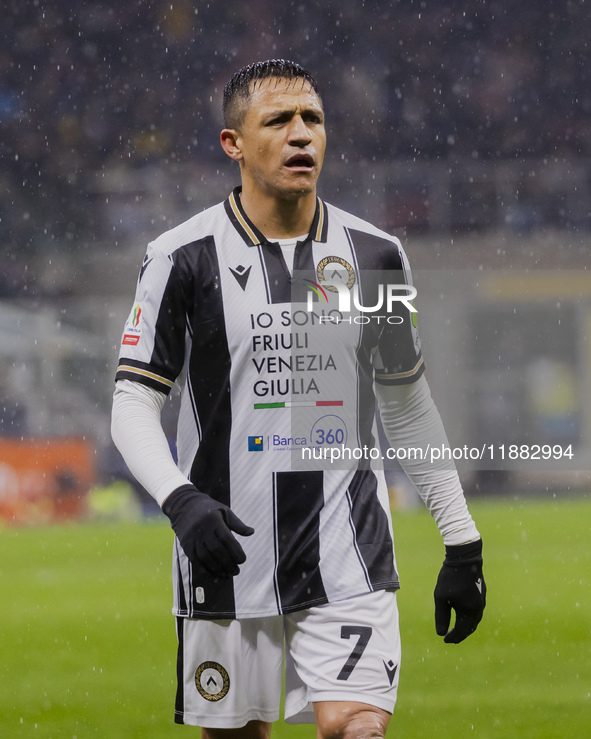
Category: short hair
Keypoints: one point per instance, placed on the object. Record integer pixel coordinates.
(238, 90)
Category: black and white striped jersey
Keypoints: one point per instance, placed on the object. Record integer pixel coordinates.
(270, 364)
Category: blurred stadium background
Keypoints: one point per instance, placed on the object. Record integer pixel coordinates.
(464, 128)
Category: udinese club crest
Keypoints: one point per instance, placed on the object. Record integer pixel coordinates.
(333, 269)
(212, 681)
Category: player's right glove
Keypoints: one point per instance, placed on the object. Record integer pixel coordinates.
(460, 586)
(204, 529)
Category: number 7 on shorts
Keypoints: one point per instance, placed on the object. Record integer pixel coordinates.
(364, 634)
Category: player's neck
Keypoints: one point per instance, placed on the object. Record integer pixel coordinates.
(276, 218)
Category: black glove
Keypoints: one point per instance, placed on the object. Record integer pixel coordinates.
(460, 586)
(204, 527)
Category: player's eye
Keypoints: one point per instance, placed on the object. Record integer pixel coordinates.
(277, 120)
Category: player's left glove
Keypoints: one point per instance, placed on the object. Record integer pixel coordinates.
(460, 586)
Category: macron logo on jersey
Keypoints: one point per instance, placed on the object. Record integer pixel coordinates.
(255, 444)
(390, 670)
(241, 274)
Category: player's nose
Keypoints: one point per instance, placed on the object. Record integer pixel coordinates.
(299, 134)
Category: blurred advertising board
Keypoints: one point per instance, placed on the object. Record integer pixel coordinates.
(44, 480)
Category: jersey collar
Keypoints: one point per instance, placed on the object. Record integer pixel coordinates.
(253, 237)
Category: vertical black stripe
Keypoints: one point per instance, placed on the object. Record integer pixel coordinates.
(276, 273)
(380, 260)
(169, 331)
(303, 269)
(179, 704)
(355, 546)
(372, 532)
(374, 252)
(304, 259)
(364, 367)
(366, 402)
(300, 498)
(209, 377)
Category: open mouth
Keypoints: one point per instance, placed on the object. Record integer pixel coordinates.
(300, 161)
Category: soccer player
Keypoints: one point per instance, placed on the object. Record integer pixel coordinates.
(272, 553)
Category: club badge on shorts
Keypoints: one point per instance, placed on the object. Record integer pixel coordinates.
(212, 681)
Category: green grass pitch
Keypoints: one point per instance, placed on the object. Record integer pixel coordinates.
(88, 647)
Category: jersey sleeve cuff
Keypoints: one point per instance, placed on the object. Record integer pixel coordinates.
(401, 378)
(132, 369)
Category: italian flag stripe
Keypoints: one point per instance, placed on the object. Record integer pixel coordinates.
(297, 404)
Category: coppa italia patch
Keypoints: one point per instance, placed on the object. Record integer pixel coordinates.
(133, 327)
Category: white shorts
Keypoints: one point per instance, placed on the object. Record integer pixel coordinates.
(230, 672)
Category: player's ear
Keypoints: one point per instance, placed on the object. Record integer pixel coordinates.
(229, 139)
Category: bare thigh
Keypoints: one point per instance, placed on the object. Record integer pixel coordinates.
(252, 730)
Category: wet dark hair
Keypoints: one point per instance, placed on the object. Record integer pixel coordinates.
(238, 90)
